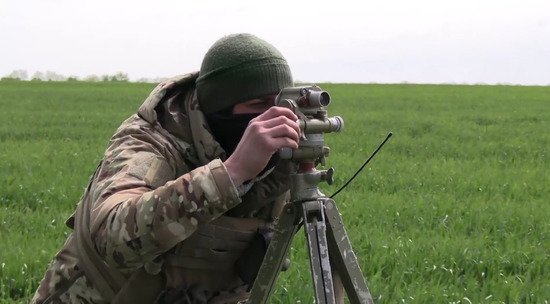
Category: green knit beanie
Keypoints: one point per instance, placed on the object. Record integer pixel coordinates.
(238, 68)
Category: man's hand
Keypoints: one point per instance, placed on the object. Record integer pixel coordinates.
(264, 136)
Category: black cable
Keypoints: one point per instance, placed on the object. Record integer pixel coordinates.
(363, 166)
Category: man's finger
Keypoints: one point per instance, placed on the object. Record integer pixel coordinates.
(282, 130)
(276, 112)
(277, 121)
(280, 142)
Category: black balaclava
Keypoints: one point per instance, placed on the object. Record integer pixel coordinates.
(228, 129)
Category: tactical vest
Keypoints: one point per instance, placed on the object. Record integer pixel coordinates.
(207, 258)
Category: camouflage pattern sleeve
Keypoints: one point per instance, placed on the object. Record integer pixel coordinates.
(141, 210)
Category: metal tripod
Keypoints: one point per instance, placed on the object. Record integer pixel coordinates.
(326, 237)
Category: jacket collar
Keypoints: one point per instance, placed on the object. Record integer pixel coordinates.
(182, 117)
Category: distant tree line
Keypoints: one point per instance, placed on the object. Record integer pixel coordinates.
(53, 76)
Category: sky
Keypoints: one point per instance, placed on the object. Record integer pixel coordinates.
(360, 41)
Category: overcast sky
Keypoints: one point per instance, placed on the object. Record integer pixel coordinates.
(383, 41)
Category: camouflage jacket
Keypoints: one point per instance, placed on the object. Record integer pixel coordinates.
(158, 196)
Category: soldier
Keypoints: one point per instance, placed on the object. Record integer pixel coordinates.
(186, 188)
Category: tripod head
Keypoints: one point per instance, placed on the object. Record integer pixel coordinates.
(308, 103)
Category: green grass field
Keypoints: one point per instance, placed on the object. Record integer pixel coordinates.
(454, 209)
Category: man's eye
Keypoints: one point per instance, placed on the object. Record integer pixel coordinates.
(262, 104)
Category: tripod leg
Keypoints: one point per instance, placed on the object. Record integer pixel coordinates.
(315, 229)
(337, 282)
(344, 258)
(277, 251)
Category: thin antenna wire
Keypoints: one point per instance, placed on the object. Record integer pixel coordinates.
(363, 166)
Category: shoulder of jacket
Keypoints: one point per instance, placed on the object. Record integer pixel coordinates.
(181, 82)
